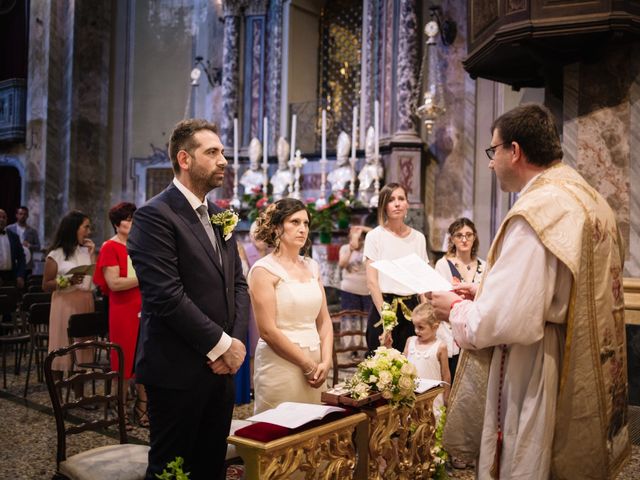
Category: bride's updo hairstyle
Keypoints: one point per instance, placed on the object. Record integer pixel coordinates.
(270, 223)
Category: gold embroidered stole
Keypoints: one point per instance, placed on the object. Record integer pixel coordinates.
(591, 438)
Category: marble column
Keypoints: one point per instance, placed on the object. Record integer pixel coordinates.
(452, 145)
(273, 89)
(88, 156)
(254, 73)
(408, 68)
(601, 109)
(230, 68)
(368, 63)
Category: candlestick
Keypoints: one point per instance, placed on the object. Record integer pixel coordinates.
(324, 134)
(321, 201)
(235, 202)
(265, 155)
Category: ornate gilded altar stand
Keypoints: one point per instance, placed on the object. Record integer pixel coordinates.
(401, 439)
(328, 451)
(380, 443)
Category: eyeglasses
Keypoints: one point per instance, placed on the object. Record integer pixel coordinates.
(466, 236)
(491, 151)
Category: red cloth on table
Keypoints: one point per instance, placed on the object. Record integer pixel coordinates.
(124, 305)
(267, 432)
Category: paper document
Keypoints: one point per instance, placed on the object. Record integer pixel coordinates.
(293, 414)
(425, 384)
(82, 270)
(414, 273)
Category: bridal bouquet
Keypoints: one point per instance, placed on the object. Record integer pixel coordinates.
(227, 220)
(388, 372)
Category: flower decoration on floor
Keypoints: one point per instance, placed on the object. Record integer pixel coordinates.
(440, 455)
(388, 372)
(63, 282)
(227, 220)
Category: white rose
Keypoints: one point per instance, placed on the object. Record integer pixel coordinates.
(406, 383)
(387, 395)
(408, 369)
(373, 379)
(385, 377)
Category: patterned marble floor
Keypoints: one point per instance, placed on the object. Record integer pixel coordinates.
(28, 439)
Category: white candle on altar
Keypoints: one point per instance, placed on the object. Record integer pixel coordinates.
(235, 146)
(265, 143)
(294, 120)
(376, 130)
(354, 127)
(324, 134)
(265, 155)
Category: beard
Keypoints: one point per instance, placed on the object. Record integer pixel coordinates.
(205, 181)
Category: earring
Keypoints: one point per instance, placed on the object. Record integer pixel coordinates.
(277, 243)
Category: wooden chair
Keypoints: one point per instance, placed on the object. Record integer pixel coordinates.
(9, 318)
(35, 288)
(38, 323)
(349, 340)
(113, 461)
(18, 340)
(93, 324)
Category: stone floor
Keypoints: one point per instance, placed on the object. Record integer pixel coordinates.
(28, 439)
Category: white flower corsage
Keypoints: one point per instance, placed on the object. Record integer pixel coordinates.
(227, 220)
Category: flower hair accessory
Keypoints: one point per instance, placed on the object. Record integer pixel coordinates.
(227, 220)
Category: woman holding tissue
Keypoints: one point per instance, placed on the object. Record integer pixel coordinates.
(293, 356)
(391, 239)
(72, 248)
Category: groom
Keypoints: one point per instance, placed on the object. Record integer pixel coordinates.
(194, 309)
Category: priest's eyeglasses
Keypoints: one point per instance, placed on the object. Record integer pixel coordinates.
(466, 236)
(491, 151)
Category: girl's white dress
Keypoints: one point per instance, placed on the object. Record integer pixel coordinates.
(427, 364)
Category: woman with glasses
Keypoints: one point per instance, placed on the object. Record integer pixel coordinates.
(462, 267)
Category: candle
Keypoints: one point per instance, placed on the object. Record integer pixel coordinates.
(265, 142)
(324, 134)
(353, 132)
(235, 145)
(293, 137)
(376, 130)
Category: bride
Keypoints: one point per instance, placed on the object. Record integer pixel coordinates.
(293, 356)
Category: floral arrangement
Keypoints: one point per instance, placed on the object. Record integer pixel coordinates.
(63, 282)
(256, 201)
(388, 372)
(174, 471)
(227, 220)
(388, 318)
(440, 455)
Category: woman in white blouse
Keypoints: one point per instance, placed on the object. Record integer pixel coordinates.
(391, 239)
(72, 293)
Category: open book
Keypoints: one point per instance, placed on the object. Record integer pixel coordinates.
(293, 414)
(425, 384)
(414, 273)
(82, 270)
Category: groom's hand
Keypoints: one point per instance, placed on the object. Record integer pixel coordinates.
(234, 356)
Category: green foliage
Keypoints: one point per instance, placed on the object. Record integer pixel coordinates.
(440, 455)
(174, 471)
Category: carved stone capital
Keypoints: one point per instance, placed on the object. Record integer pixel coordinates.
(256, 7)
(232, 8)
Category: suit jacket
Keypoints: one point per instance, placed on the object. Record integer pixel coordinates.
(188, 297)
(18, 265)
(31, 236)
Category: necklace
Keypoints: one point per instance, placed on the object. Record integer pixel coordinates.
(458, 265)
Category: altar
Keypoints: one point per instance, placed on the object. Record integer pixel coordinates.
(377, 442)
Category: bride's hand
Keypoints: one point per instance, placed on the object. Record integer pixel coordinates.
(317, 379)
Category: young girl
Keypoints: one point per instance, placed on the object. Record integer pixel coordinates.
(427, 353)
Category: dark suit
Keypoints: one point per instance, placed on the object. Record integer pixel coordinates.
(188, 300)
(31, 236)
(18, 265)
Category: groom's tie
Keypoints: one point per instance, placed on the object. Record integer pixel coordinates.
(203, 213)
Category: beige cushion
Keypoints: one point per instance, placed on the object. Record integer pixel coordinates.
(113, 462)
(235, 425)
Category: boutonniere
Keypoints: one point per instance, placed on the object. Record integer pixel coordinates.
(227, 220)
